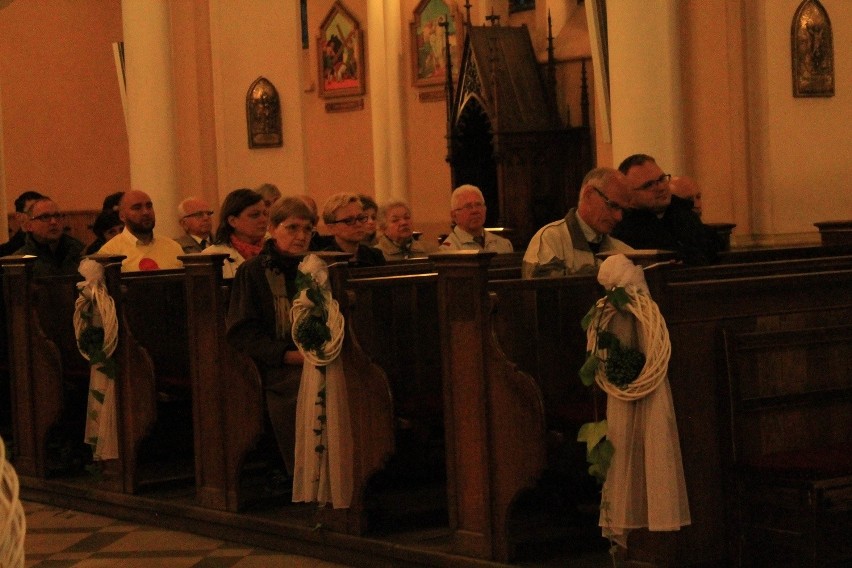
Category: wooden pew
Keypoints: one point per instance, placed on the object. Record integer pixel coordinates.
(371, 412)
(227, 396)
(229, 408)
(483, 389)
(769, 323)
(152, 369)
(48, 376)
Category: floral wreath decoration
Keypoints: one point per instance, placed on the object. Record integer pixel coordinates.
(317, 328)
(96, 330)
(623, 372)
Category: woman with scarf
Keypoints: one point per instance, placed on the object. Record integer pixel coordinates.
(258, 322)
(242, 227)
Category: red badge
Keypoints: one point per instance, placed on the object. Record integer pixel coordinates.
(148, 264)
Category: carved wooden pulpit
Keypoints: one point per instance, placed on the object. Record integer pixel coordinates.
(506, 137)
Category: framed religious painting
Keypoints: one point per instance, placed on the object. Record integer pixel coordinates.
(812, 44)
(263, 114)
(436, 27)
(521, 5)
(340, 54)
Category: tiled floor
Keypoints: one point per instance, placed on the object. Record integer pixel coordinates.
(61, 538)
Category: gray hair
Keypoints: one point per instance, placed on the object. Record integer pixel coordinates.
(599, 178)
(461, 190)
(383, 211)
(182, 205)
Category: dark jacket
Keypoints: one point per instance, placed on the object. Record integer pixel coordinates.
(15, 242)
(679, 230)
(64, 260)
(251, 313)
(364, 256)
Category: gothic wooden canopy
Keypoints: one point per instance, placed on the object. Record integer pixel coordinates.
(505, 134)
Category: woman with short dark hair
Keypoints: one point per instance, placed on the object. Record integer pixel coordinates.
(243, 222)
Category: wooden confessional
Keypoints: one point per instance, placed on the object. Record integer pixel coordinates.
(506, 137)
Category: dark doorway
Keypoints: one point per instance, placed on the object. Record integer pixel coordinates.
(473, 158)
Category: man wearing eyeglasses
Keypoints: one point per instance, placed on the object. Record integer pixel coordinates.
(344, 216)
(56, 253)
(569, 246)
(659, 220)
(196, 219)
(467, 210)
(16, 241)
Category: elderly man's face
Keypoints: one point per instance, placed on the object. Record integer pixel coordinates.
(469, 213)
(45, 222)
(602, 209)
(197, 219)
(137, 212)
(398, 224)
(649, 187)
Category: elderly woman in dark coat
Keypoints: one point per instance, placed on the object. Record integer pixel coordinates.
(258, 322)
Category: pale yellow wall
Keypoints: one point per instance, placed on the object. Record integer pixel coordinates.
(63, 124)
(338, 145)
(249, 39)
(800, 146)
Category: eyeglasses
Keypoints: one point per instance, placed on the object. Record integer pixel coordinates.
(48, 217)
(349, 221)
(654, 182)
(199, 215)
(295, 228)
(476, 205)
(615, 207)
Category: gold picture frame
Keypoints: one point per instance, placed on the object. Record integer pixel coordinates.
(340, 54)
(428, 42)
(812, 45)
(263, 115)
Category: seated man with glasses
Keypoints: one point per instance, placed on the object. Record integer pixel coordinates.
(56, 253)
(659, 220)
(196, 219)
(467, 210)
(16, 241)
(568, 246)
(344, 216)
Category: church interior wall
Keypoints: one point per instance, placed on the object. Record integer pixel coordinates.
(797, 159)
(755, 149)
(63, 122)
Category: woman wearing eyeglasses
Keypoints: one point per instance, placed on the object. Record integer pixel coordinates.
(343, 213)
(258, 322)
(242, 227)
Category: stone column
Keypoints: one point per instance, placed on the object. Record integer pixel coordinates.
(645, 81)
(385, 88)
(150, 107)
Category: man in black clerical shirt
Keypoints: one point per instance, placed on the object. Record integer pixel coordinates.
(659, 220)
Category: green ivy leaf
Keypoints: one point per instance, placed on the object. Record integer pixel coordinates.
(592, 433)
(618, 297)
(109, 368)
(587, 371)
(607, 340)
(587, 319)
